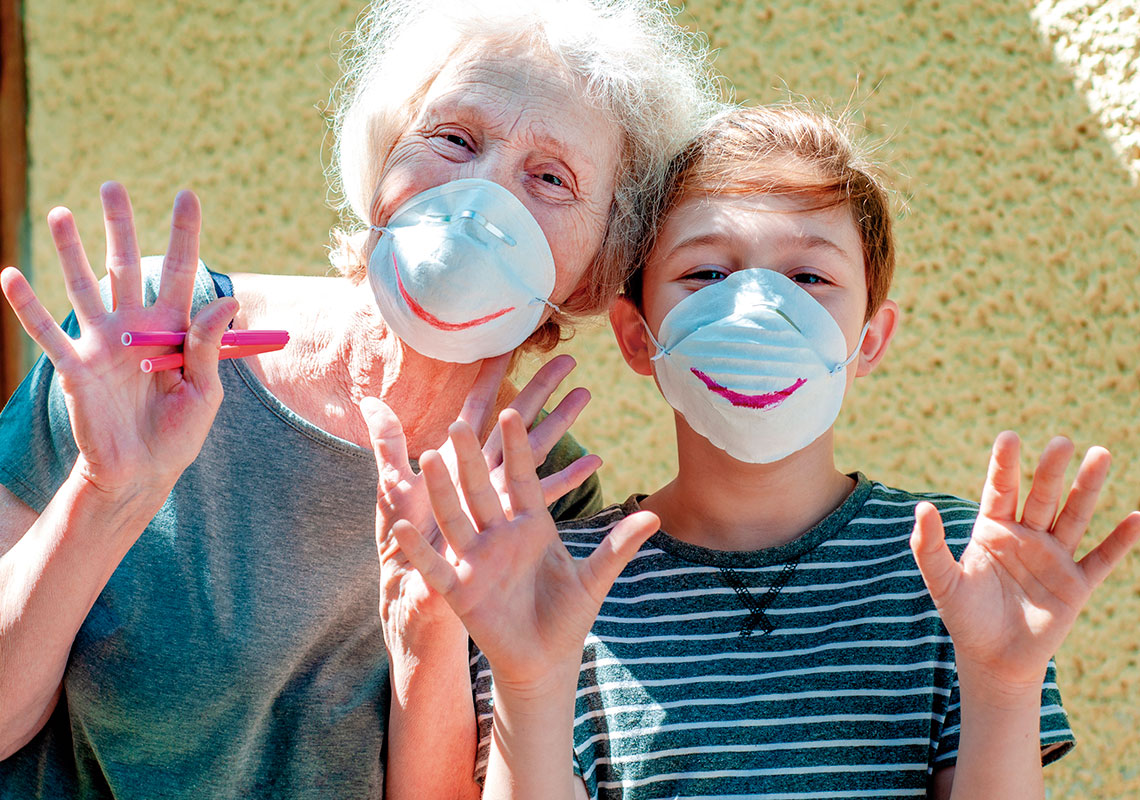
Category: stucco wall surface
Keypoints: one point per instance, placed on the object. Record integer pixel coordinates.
(1018, 230)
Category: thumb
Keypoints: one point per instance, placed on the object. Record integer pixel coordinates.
(204, 341)
(620, 545)
(388, 443)
(935, 561)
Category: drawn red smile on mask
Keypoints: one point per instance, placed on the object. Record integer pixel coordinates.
(757, 401)
(433, 320)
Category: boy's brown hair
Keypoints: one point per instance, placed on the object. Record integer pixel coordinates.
(792, 151)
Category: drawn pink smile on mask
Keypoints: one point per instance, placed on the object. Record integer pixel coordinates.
(758, 401)
(434, 321)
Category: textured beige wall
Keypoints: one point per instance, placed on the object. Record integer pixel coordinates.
(220, 97)
(1019, 244)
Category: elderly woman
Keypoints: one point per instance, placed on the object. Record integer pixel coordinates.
(188, 581)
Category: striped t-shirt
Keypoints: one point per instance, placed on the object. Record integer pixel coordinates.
(817, 669)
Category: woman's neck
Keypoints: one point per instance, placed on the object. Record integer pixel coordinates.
(340, 351)
(724, 504)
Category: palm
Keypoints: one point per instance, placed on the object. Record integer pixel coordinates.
(403, 494)
(520, 593)
(130, 428)
(127, 423)
(1014, 595)
(524, 600)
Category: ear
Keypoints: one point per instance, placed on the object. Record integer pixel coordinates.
(632, 338)
(880, 331)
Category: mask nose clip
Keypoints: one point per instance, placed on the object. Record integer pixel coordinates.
(472, 215)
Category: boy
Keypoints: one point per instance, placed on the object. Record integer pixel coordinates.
(769, 634)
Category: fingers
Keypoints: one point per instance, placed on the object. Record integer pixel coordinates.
(176, 288)
(388, 443)
(620, 545)
(1048, 483)
(34, 317)
(1079, 507)
(480, 401)
(561, 483)
(999, 496)
(523, 488)
(1103, 558)
(122, 247)
(203, 343)
(547, 433)
(445, 505)
(435, 569)
(940, 572)
(532, 398)
(471, 471)
(80, 282)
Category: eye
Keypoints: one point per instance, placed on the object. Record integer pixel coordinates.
(707, 273)
(810, 279)
(456, 139)
(552, 179)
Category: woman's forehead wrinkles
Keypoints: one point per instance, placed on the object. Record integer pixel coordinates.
(557, 122)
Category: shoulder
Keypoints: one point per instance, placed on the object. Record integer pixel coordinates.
(590, 530)
(885, 501)
(888, 513)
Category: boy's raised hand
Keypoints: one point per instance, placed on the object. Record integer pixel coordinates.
(1014, 595)
(526, 602)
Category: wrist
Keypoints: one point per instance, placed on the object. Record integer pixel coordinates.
(555, 686)
(123, 512)
(980, 685)
(414, 644)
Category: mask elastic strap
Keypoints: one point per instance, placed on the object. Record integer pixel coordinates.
(661, 351)
(553, 307)
(855, 352)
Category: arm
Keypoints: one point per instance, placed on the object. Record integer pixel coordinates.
(1009, 603)
(135, 434)
(432, 709)
(525, 601)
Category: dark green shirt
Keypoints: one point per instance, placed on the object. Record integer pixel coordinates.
(817, 669)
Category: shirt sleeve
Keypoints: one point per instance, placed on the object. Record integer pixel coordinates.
(481, 688)
(1056, 735)
(37, 449)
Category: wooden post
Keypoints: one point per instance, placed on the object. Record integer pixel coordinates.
(13, 181)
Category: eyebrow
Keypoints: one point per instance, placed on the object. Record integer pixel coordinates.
(465, 110)
(809, 241)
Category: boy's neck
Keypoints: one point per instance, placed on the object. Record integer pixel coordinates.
(724, 504)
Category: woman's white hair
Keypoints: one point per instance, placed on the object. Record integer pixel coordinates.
(647, 73)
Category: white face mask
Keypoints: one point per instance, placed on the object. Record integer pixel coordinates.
(462, 271)
(754, 364)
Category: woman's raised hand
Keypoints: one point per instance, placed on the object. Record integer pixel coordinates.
(135, 431)
(1014, 595)
(523, 598)
(402, 494)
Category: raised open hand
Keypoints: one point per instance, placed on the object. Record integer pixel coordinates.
(133, 430)
(523, 598)
(1014, 595)
(403, 494)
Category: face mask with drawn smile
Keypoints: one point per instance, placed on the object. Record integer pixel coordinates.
(462, 271)
(754, 364)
